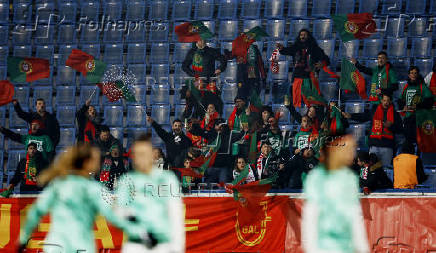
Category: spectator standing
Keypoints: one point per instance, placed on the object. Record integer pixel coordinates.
(88, 123)
(113, 167)
(106, 140)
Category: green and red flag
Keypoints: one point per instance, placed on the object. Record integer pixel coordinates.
(26, 69)
(354, 26)
(352, 79)
(208, 159)
(425, 130)
(310, 94)
(86, 64)
(6, 92)
(255, 102)
(241, 44)
(116, 90)
(335, 121)
(192, 32)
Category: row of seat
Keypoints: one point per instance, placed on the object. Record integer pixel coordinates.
(72, 11)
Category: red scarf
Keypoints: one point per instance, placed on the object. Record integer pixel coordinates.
(30, 175)
(89, 127)
(378, 131)
(232, 118)
(211, 122)
(259, 166)
(433, 86)
(196, 140)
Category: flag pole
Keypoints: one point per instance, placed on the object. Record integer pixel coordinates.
(92, 94)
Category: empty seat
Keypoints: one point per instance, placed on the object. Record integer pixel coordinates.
(359, 132)
(135, 10)
(322, 29)
(67, 11)
(156, 141)
(282, 75)
(44, 92)
(229, 92)
(22, 35)
(349, 49)
(395, 27)
(14, 120)
(113, 115)
(328, 46)
(401, 66)
(295, 27)
(23, 51)
(92, 49)
(136, 33)
(3, 72)
(276, 29)
(136, 53)
(227, 110)
(371, 47)
(417, 26)
(182, 10)
(250, 8)
(321, 8)
(65, 95)
(425, 65)
(89, 34)
(159, 53)
(229, 75)
(22, 95)
(4, 12)
(228, 30)
(283, 112)
(180, 51)
(250, 23)
(391, 7)
(2, 116)
(22, 12)
(329, 90)
(179, 76)
(14, 158)
(227, 9)
(85, 94)
(178, 111)
(113, 34)
(369, 6)
(204, 9)
(226, 45)
(4, 33)
(139, 70)
(345, 6)
(112, 9)
(355, 107)
(432, 7)
(136, 115)
(66, 115)
(274, 8)
(67, 137)
(397, 47)
(159, 74)
(161, 114)
(44, 34)
(140, 91)
(160, 94)
(90, 10)
(113, 53)
(133, 133)
(297, 8)
(415, 7)
(45, 52)
(63, 54)
(65, 75)
(66, 33)
(421, 47)
(159, 32)
(43, 12)
(279, 89)
(158, 10)
(2, 139)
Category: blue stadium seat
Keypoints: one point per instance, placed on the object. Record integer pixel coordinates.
(349, 49)
(227, 9)
(228, 92)
(66, 115)
(92, 49)
(227, 110)
(136, 33)
(355, 107)
(135, 10)
(89, 34)
(112, 9)
(250, 9)
(65, 95)
(276, 29)
(204, 9)
(397, 47)
(230, 74)
(228, 30)
(284, 113)
(401, 66)
(345, 6)
(65, 75)
(415, 7)
(63, 53)
(395, 27)
(328, 46)
(178, 111)
(295, 27)
(90, 10)
(2, 116)
(282, 75)
(4, 12)
(322, 29)
(22, 35)
(4, 33)
(136, 53)
(136, 115)
(160, 94)
(177, 94)
(297, 8)
(140, 92)
(182, 10)
(210, 24)
(45, 52)
(250, 23)
(321, 8)
(67, 11)
(180, 51)
(158, 10)
(4, 53)
(67, 137)
(140, 72)
(226, 45)
(113, 115)
(156, 141)
(432, 7)
(279, 88)
(159, 53)
(23, 51)
(425, 65)
(113, 35)
(14, 158)
(44, 12)
(14, 120)
(421, 47)
(113, 53)
(417, 26)
(161, 114)
(22, 12)
(22, 95)
(118, 133)
(369, 6)
(160, 73)
(390, 173)
(274, 8)
(66, 34)
(391, 7)
(2, 147)
(371, 47)
(329, 90)
(85, 93)
(179, 76)
(44, 92)
(3, 72)
(358, 131)
(133, 133)
(159, 32)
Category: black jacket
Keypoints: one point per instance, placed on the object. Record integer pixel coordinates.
(105, 146)
(115, 171)
(82, 120)
(376, 178)
(210, 55)
(176, 147)
(297, 166)
(50, 121)
(19, 176)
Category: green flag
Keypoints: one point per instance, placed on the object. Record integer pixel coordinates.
(352, 79)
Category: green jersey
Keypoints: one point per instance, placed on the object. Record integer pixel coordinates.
(301, 139)
(413, 95)
(379, 81)
(43, 143)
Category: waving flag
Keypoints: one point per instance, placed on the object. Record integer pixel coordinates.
(85, 63)
(354, 26)
(26, 69)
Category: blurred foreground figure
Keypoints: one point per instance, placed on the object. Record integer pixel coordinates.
(150, 199)
(332, 216)
(73, 201)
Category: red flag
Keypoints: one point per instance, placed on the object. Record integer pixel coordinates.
(111, 91)
(188, 172)
(6, 92)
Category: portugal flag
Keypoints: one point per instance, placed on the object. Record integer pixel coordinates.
(6, 92)
(354, 26)
(352, 79)
(310, 94)
(23, 70)
(117, 90)
(192, 32)
(85, 63)
(425, 132)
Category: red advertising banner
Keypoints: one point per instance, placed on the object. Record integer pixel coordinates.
(223, 225)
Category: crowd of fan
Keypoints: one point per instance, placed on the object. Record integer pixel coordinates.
(251, 136)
